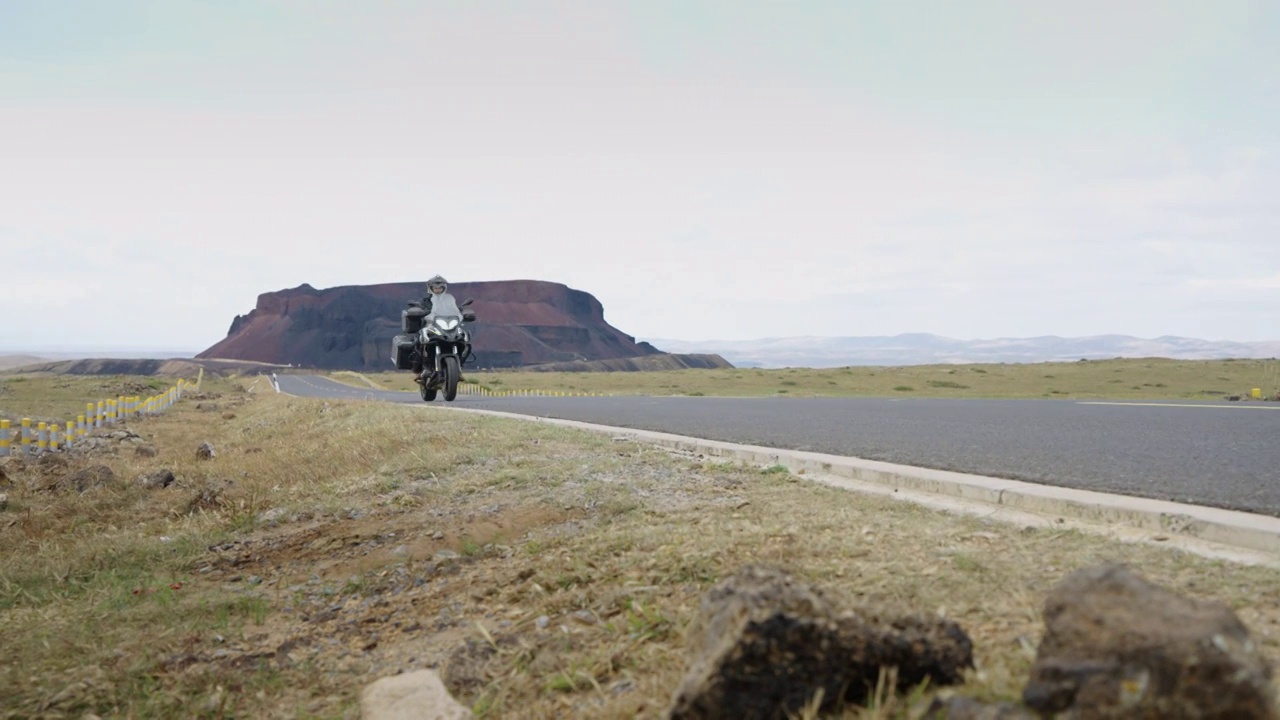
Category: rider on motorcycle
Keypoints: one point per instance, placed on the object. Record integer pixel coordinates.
(437, 302)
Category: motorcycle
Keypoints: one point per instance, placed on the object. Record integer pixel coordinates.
(435, 348)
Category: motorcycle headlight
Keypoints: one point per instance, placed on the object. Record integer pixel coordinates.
(447, 324)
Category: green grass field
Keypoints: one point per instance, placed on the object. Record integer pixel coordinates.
(1136, 379)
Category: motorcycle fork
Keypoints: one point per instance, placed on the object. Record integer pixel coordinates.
(437, 371)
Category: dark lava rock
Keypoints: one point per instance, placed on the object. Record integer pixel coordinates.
(765, 644)
(83, 480)
(1118, 646)
(157, 480)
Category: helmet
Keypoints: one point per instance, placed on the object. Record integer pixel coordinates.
(437, 282)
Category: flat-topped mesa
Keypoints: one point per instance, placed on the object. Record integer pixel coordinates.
(519, 323)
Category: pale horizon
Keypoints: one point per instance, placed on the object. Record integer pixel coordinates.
(179, 352)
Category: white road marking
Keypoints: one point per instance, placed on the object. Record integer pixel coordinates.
(1183, 405)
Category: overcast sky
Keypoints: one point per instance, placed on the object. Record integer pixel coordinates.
(725, 170)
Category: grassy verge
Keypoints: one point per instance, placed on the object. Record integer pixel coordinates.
(1150, 378)
(50, 398)
(329, 543)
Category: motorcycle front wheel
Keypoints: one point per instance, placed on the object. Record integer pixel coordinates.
(451, 375)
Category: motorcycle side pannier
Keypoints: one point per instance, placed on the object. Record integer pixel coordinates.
(402, 352)
(411, 319)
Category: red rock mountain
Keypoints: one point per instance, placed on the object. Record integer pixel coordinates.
(518, 322)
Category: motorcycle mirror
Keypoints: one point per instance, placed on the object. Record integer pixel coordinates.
(411, 303)
(467, 302)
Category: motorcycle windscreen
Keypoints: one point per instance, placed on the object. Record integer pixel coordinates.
(443, 305)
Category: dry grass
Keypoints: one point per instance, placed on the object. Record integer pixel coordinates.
(60, 398)
(1150, 378)
(329, 543)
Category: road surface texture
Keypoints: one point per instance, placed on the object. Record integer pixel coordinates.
(1223, 455)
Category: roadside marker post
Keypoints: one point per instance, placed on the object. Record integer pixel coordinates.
(30, 438)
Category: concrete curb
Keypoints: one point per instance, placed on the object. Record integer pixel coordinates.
(1213, 532)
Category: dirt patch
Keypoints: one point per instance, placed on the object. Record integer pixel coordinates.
(340, 549)
(370, 595)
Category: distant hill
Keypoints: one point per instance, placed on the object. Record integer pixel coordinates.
(18, 360)
(518, 323)
(81, 353)
(927, 349)
(184, 367)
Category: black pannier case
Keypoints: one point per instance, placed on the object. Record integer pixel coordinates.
(402, 351)
(411, 319)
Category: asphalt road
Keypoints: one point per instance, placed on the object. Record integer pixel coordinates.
(1217, 454)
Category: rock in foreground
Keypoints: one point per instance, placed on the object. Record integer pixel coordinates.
(1118, 646)
(412, 696)
(765, 644)
(83, 480)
